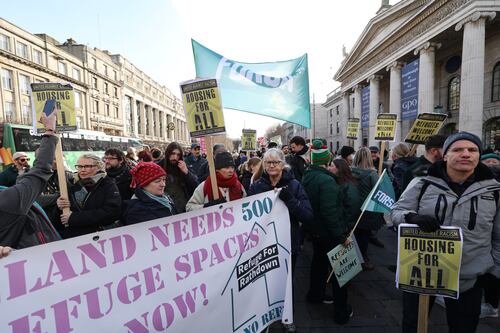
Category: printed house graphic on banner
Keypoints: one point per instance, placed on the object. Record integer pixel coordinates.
(258, 267)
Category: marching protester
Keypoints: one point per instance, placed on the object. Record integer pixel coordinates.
(329, 228)
(195, 161)
(181, 182)
(433, 153)
(286, 151)
(347, 153)
(458, 191)
(366, 176)
(23, 223)
(401, 162)
(249, 168)
(227, 183)
(144, 156)
(20, 166)
(300, 158)
(94, 200)
(117, 168)
(131, 157)
(204, 171)
(492, 161)
(149, 201)
(375, 153)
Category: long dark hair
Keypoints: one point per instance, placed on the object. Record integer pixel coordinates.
(344, 172)
(168, 151)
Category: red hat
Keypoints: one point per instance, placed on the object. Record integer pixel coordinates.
(145, 172)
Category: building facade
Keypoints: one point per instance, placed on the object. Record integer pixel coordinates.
(336, 122)
(456, 46)
(111, 94)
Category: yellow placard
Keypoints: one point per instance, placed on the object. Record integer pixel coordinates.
(353, 128)
(385, 127)
(249, 140)
(203, 107)
(48, 95)
(425, 125)
(429, 262)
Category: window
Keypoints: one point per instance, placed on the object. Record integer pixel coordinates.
(353, 100)
(37, 57)
(78, 99)
(331, 113)
(454, 93)
(331, 129)
(9, 111)
(105, 70)
(116, 112)
(24, 84)
(62, 68)
(115, 75)
(26, 115)
(79, 122)
(94, 63)
(94, 82)
(76, 74)
(96, 106)
(22, 50)
(4, 42)
(495, 94)
(337, 110)
(106, 108)
(106, 88)
(7, 80)
(338, 128)
(115, 91)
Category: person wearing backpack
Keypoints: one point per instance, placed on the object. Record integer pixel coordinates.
(458, 191)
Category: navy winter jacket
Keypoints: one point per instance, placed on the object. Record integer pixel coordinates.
(142, 208)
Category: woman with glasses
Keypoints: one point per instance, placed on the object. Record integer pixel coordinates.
(149, 202)
(278, 175)
(94, 199)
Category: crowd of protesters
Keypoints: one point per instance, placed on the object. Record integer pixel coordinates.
(454, 182)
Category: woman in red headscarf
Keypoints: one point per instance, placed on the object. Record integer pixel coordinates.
(149, 202)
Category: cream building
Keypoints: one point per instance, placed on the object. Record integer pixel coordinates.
(455, 46)
(111, 94)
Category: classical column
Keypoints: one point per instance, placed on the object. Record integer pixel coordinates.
(472, 73)
(169, 133)
(344, 117)
(374, 82)
(163, 117)
(395, 97)
(142, 111)
(357, 114)
(150, 121)
(426, 76)
(133, 110)
(156, 114)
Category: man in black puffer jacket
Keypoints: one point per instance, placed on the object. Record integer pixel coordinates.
(117, 168)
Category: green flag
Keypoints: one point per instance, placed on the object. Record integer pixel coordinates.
(381, 198)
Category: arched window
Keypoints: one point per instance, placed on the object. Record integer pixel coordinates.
(454, 93)
(495, 91)
(492, 133)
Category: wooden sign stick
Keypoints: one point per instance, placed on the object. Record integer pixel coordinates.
(61, 174)
(211, 167)
(423, 313)
(381, 159)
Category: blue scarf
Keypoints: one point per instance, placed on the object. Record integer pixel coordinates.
(161, 199)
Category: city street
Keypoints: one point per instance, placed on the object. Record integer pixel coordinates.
(375, 300)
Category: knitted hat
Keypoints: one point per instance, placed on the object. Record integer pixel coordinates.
(374, 149)
(462, 136)
(346, 151)
(490, 155)
(320, 154)
(145, 172)
(223, 160)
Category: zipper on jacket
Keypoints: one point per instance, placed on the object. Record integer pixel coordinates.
(473, 213)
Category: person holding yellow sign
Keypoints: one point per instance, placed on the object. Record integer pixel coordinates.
(461, 192)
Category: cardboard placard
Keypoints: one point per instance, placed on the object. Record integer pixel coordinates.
(353, 128)
(249, 140)
(425, 125)
(385, 127)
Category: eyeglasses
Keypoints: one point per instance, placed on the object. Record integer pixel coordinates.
(273, 163)
(23, 159)
(89, 166)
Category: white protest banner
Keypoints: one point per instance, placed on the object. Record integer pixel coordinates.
(218, 269)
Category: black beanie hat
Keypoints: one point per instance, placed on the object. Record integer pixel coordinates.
(223, 160)
(462, 136)
(346, 151)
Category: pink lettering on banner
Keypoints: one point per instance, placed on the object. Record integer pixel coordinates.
(164, 315)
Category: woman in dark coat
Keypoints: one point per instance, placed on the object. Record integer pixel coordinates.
(249, 169)
(94, 199)
(149, 201)
(277, 175)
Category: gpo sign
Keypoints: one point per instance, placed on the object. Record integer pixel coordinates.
(410, 104)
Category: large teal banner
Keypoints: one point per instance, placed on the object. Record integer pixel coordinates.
(274, 89)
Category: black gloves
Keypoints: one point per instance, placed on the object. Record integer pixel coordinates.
(285, 194)
(425, 223)
(215, 202)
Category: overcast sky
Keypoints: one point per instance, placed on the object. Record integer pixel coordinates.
(156, 35)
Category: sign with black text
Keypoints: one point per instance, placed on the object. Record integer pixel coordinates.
(427, 124)
(353, 128)
(385, 127)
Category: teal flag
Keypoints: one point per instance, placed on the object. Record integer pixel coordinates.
(274, 89)
(382, 197)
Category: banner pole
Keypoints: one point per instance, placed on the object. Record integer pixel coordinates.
(423, 313)
(61, 174)
(413, 149)
(211, 167)
(381, 159)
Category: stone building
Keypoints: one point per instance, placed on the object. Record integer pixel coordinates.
(111, 94)
(427, 56)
